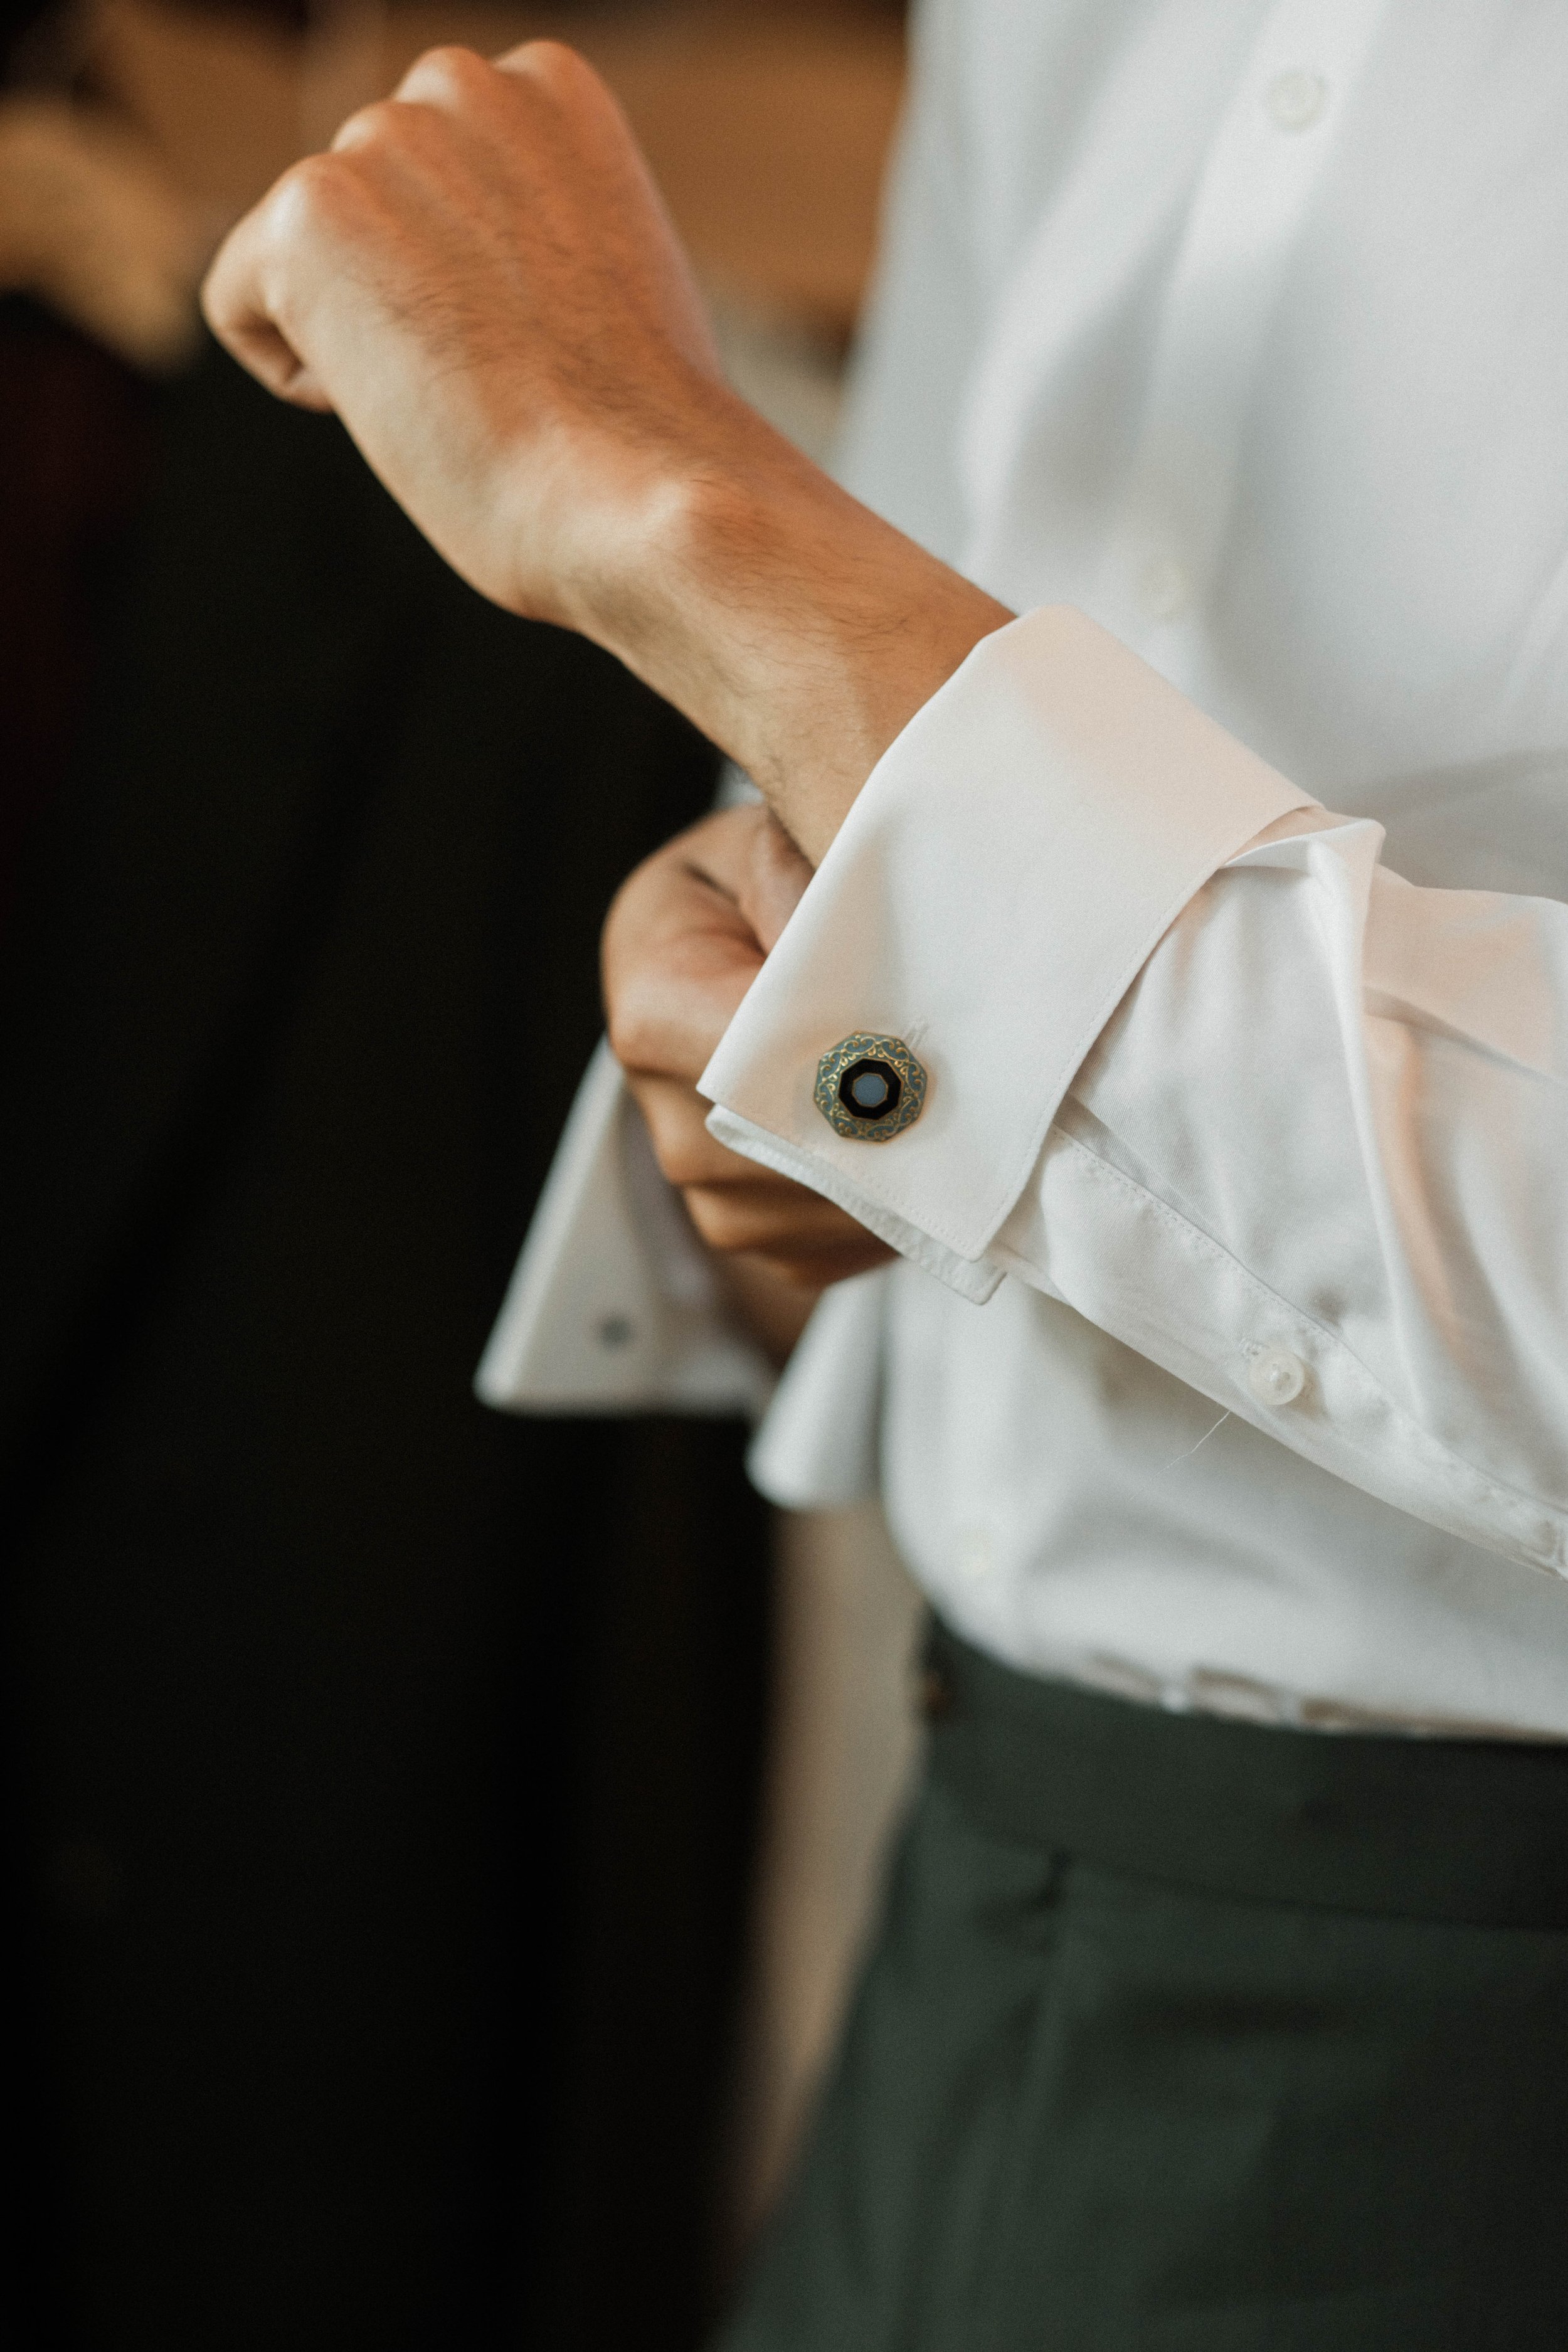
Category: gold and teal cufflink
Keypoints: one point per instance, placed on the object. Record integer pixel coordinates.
(870, 1088)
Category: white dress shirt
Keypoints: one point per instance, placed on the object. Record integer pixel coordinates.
(1221, 896)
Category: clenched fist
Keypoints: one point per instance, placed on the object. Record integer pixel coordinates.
(481, 281)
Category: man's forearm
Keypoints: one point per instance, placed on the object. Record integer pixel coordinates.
(481, 281)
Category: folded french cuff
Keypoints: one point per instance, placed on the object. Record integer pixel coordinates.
(1011, 863)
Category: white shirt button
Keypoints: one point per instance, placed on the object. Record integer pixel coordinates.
(1164, 588)
(977, 1555)
(1276, 1377)
(1296, 99)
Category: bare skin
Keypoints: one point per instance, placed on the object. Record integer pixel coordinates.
(480, 279)
(682, 944)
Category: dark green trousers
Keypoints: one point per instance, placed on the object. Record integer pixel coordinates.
(1194, 2036)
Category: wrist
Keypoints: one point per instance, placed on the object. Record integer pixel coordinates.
(795, 626)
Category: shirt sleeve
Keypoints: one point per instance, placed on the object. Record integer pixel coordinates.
(614, 1307)
(1202, 1066)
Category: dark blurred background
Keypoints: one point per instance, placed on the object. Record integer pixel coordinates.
(382, 1777)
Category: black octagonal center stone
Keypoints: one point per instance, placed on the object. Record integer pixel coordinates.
(869, 1088)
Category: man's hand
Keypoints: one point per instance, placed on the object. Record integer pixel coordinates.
(481, 281)
(682, 945)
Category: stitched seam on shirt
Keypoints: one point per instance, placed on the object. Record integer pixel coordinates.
(1207, 1244)
(821, 1173)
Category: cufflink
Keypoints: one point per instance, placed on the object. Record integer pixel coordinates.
(871, 1087)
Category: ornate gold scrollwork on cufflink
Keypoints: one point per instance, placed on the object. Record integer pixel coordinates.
(871, 1087)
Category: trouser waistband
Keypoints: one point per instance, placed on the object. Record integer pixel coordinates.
(1413, 1828)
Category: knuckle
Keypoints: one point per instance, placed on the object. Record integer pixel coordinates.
(368, 123)
(721, 1221)
(682, 1161)
(633, 920)
(312, 194)
(450, 71)
(308, 180)
(742, 1218)
(553, 65)
(681, 1145)
(632, 1033)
